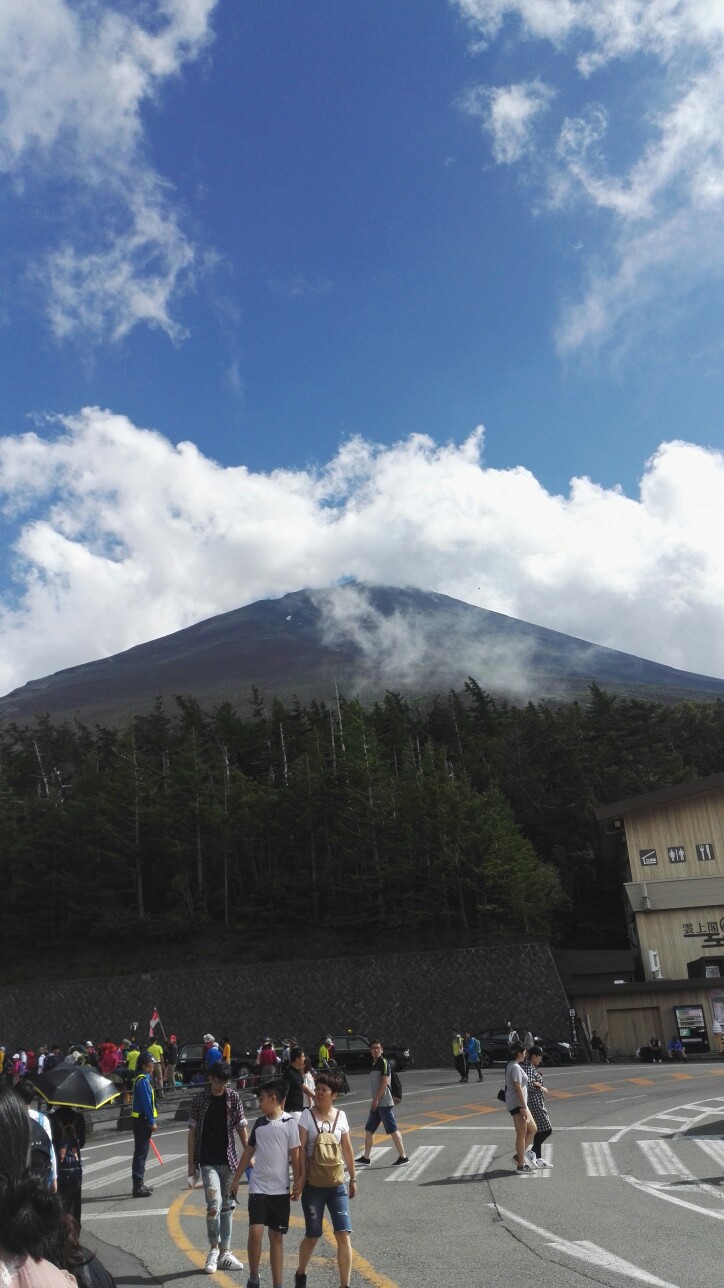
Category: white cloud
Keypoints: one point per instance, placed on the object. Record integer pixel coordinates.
(666, 206)
(123, 537)
(74, 79)
(508, 113)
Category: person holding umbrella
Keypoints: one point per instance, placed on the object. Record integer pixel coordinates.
(144, 1114)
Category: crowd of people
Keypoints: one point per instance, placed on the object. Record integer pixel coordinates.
(300, 1133)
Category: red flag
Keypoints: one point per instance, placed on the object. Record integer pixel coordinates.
(153, 1022)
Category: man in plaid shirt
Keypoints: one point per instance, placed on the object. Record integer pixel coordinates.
(216, 1114)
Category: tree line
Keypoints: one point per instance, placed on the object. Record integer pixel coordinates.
(428, 822)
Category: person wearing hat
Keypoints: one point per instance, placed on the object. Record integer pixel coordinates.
(326, 1053)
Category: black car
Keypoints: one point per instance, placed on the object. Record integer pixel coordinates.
(352, 1053)
(190, 1062)
(494, 1048)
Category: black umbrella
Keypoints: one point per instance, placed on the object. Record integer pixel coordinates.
(78, 1085)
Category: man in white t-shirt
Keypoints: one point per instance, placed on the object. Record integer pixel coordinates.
(273, 1144)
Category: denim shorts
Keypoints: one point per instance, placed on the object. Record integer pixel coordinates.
(335, 1200)
(383, 1114)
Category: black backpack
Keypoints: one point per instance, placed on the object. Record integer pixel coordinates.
(41, 1159)
(395, 1084)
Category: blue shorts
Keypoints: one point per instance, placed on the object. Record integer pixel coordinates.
(383, 1114)
(335, 1200)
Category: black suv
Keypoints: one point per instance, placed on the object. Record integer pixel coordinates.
(494, 1048)
(352, 1053)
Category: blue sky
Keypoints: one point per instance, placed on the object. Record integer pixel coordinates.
(299, 234)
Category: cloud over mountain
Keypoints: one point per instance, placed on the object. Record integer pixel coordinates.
(120, 537)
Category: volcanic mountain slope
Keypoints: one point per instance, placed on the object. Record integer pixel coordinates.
(363, 640)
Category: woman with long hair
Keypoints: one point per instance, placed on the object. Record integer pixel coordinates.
(537, 1105)
(516, 1102)
(29, 1213)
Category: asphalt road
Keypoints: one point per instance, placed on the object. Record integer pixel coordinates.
(635, 1194)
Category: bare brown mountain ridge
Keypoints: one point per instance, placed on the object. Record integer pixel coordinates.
(357, 639)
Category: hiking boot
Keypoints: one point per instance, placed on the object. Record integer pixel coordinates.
(142, 1192)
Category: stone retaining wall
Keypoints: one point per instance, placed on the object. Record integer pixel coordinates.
(413, 998)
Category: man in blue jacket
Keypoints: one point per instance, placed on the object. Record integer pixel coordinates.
(144, 1114)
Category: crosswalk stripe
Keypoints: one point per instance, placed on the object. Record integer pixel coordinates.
(547, 1153)
(663, 1159)
(714, 1148)
(598, 1157)
(163, 1178)
(378, 1152)
(419, 1161)
(105, 1163)
(477, 1159)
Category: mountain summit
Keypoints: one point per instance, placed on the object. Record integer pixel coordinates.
(362, 639)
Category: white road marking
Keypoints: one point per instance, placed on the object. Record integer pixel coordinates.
(123, 1174)
(589, 1252)
(715, 1150)
(378, 1152)
(121, 1216)
(543, 1172)
(662, 1159)
(659, 1192)
(692, 1113)
(419, 1161)
(598, 1157)
(477, 1159)
(113, 1161)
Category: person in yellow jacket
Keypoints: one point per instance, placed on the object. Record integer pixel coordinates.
(458, 1048)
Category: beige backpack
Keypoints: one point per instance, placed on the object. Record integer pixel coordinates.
(325, 1168)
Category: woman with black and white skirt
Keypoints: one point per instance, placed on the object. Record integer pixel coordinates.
(537, 1105)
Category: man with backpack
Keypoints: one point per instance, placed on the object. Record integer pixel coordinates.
(381, 1108)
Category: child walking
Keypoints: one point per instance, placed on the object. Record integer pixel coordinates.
(273, 1144)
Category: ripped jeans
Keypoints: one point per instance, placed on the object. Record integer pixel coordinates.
(219, 1204)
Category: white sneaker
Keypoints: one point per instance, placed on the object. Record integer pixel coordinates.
(544, 1162)
(529, 1157)
(227, 1261)
(212, 1261)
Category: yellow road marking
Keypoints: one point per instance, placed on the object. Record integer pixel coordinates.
(641, 1082)
(600, 1086)
(184, 1244)
(363, 1267)
(683, 1076)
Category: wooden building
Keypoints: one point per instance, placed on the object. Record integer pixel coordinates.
(673, 847)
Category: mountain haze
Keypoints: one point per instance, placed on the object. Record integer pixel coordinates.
(363, 640)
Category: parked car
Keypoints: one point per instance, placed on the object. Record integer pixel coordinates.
(352, 1053)
(190, 1062)
(494, 1048)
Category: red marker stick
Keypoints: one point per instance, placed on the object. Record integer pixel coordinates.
(153, 1147)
